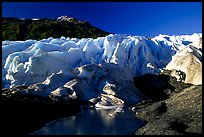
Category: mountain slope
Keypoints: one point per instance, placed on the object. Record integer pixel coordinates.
(23, 29)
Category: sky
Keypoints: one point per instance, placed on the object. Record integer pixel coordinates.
(135, 18)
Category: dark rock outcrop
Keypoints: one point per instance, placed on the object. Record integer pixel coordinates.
(24, 114)
(177, 113)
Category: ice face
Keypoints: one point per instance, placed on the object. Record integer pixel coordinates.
(29, 62)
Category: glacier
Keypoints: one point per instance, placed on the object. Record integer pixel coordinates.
(87, 68)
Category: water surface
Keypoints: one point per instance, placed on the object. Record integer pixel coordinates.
(94, 122)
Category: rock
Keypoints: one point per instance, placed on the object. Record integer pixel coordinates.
(177, 84)
(162, 108)
(154, 86)
(189, 61)
(22, 114)
(181, 114)
(160, 86)
(179, 75)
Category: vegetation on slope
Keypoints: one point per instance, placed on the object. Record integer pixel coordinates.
(22, 29)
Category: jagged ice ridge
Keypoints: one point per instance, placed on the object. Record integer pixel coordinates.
(62, 65)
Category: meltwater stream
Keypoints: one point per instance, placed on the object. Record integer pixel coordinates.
(95, 122)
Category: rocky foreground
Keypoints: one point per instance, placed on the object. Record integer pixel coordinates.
(23, 114)
(177, 113)
(171, 107)
(181, 114)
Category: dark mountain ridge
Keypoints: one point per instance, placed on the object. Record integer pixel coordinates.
(23, 29)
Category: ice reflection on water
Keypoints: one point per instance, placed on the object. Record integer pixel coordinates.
(94, 122)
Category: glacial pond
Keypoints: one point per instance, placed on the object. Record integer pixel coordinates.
(118, 121)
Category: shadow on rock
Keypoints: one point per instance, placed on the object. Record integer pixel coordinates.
(155, 87)
(23, 114)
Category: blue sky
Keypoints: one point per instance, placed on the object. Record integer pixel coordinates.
(135, 18)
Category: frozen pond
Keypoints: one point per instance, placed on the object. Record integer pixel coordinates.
(94, 122)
